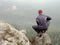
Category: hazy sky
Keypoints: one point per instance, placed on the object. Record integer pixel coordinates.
(28, 9)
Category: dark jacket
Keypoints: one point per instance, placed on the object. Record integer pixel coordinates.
(43, 21)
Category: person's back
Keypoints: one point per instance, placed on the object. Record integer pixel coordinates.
(42, 21)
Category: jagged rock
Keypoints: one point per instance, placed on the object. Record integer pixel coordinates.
(43, 40)
(11, 36)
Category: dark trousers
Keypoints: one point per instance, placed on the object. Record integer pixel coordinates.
(38, 30)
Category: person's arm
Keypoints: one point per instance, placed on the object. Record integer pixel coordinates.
(37, 21)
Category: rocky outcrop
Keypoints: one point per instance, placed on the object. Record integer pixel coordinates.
(11, 36)
(43, 40)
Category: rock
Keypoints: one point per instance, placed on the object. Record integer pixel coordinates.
(46, 39)
(11, 36)
(43, 40)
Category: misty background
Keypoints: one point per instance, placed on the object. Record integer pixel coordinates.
(22, 13)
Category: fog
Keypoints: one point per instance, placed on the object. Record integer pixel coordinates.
(22, 13)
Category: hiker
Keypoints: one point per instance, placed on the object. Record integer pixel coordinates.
(42, 38)
(42, 21)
